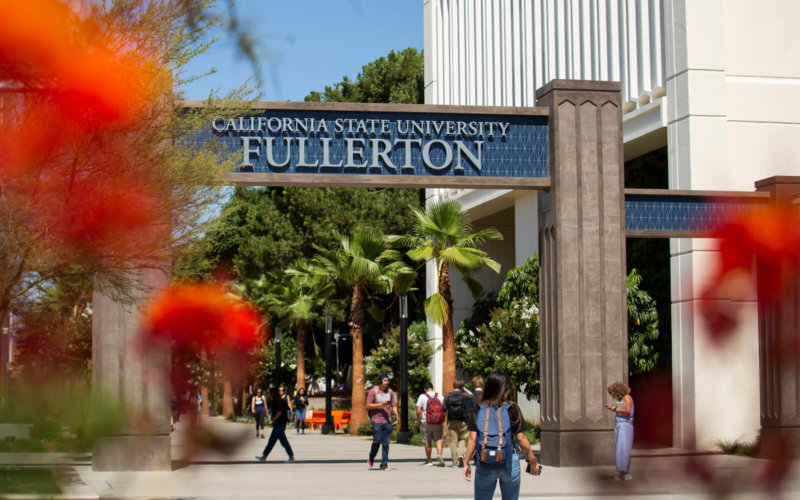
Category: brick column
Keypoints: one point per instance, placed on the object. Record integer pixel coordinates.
(582, 281)
(778, 323)
(137, 381)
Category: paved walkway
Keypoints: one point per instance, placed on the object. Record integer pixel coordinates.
(335, 467)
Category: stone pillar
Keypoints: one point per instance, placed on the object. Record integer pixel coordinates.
(131, 379)
(582, 281)
(778, 323)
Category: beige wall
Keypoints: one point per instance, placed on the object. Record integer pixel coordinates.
(733, 118)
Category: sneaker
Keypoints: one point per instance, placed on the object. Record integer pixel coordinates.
(426, 464)
(454, 465)
(291, 459)
(440, 461)
(461, 460)
(369, 462)
(628, 477)
(261, 458)
(385, 467)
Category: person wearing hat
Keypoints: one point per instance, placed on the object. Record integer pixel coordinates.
(381, 401)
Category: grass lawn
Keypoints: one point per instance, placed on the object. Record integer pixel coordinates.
(27, 481)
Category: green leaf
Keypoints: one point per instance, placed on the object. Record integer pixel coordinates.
(377, 313)
(436, 309)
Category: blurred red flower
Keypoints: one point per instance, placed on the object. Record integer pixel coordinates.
(763, 244)
(78, 99)
(203, 316)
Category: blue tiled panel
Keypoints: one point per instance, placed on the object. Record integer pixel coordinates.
(521, 153)
(681, 213)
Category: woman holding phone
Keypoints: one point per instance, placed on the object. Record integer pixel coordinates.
(486, 419)
(623, 428)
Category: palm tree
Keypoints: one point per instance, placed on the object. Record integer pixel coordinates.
(304, 294)
(442, 233)
(364, 263)
(293, 297)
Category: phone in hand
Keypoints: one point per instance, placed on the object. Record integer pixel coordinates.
(533, 471)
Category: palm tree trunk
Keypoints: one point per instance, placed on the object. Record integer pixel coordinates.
(358, 400)
(227, 397)
(301, 353)
(448, 339)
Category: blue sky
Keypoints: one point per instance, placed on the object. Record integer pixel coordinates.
(307, 44)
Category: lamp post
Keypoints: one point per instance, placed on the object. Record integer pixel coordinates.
(277, 356)
(328, 428)
(404, 435)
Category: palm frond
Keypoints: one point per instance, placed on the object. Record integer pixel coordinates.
(421, 253)
(474, 286)
(436, 309)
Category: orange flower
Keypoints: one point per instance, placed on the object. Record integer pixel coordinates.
(766, 241)
(204, 316)
(70, 138)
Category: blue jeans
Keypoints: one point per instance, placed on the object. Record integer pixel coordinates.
(486, 481)
(381, 434)
(300, 422)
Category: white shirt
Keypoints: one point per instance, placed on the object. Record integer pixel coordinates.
(422, 401)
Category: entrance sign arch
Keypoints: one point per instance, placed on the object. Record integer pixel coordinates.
(570, 148)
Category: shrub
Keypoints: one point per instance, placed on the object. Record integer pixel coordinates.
(385, 358)
(45, 430)
(739, 447)
(365, 429)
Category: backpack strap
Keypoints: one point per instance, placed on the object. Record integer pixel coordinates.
(485, 436)
(428, 396)
(500, 432)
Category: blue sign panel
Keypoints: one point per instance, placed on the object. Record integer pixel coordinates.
(300, 141)
(682, 214)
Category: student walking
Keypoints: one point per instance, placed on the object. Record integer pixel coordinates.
(457, 405)
(430, 413)
(381, 402)
(300, 406)
(258, 407)
(623, 428)
(493, 426)
(279, 409)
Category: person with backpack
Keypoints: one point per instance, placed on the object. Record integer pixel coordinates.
(495, 425)
(457, 405)
(430, 413)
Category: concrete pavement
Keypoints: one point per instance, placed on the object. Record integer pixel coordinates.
(335, 467)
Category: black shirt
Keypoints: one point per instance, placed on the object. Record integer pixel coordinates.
(300, 401)
(282, 406)
(517, 422)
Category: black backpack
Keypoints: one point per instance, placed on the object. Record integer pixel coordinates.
(457, 405)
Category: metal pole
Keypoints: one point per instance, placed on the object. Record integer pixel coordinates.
(328, 427)
(277, 357)
(404, 434)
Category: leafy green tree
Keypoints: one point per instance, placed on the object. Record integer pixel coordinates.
(266, 364)
(521, 282)
(264, 229)
(500, 329)
(396, 78)
(508, 342)
(385, 358)
(364, 263)
(642, 327)
(442, 233)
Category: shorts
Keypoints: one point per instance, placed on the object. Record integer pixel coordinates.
(431, 433)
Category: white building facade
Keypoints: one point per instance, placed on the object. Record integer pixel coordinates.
(713, 81)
